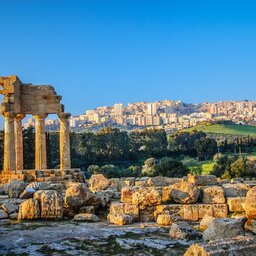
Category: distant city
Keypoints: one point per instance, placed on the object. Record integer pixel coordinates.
(169, 115)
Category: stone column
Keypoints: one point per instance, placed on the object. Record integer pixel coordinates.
(19, 141)
(65, 162)
(9, 143)
(40, 147)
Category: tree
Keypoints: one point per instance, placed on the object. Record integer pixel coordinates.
(29, 147)
(150, 167)
(205, 148)
(170, 167)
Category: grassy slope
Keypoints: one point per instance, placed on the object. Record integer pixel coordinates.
(232, 129)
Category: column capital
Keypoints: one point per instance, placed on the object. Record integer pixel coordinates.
(64, 116)
(19, 116)
(9, 115)
(40, 116)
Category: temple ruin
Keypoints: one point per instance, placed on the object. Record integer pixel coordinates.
(21, 99)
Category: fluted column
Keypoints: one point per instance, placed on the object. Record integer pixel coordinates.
(65, 162)
(19, 141)
(40, 147)
(9, 143)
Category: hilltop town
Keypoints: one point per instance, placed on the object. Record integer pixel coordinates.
(167, 114)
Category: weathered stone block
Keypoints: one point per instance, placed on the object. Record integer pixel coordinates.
(29, 210)
(202, 180)
(147, 214)
(120, 219)
(250, 204)
(235, 204)
(51, 204)
(220, 210)
(126, 194)
(224, 228)
(98, 182)
(182, 230)
(213, 195)
(145, 197)
(87, 209)
(239, 246)
(164, 219)
(87, 217)
(166, 194)
(185, 192)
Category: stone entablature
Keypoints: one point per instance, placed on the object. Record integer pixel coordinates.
(38, 100)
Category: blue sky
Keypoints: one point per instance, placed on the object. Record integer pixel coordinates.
(100, 52)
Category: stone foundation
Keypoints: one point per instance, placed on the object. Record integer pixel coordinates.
(52, 175)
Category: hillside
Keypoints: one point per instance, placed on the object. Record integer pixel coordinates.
(230, 129)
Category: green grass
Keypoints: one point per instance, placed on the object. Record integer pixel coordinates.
(230, 129)
(207, 167)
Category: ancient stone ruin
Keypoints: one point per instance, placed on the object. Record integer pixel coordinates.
(202, 214)
(21, 99)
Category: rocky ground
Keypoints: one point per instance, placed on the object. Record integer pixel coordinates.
(71, 238)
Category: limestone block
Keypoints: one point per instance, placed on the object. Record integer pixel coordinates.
(182, 230)
(224, 228)
(213, 195)
(27, 193)
(147, 214)
(145, 197)
(235, 190)
(14, 216)
(202, 180)
(126, 194)
(129, 181)
(176, 211)
(238, 246)
(205, 209)
(10, 208)
(15, 188)
(120, 219)
(220, 210)
(78, 195)
(29, 210)
(105, 197)
(250, 225)
(125, 208)
(87, 217)
(190, 212)
(185, 192)
(157, 182)
(98, 182)
(166, 194)
(141, 182)
(87, 209)
(250, 204)
(3, 214)
(164, 219)
(206, 221)
(235, 204)
(51, 204)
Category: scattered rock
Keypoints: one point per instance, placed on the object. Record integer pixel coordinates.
(202, 180)
(27, 193)
(164, 219)
(185, 192)
(3, 214)
(250, 203)
(213, 195)
(158, 181)
(105, 197)
(235, 190)
(87, 209)
(15, 188)
(145, 197)
(88, 217)
(120, 219)
(238, 246)
(206, 221)
(29, 209)
(224, 228)
(51, 204)
(13, 216)
(182, 230)
(10, 208)
(235, 204)
(98, 182)
(78, 195)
